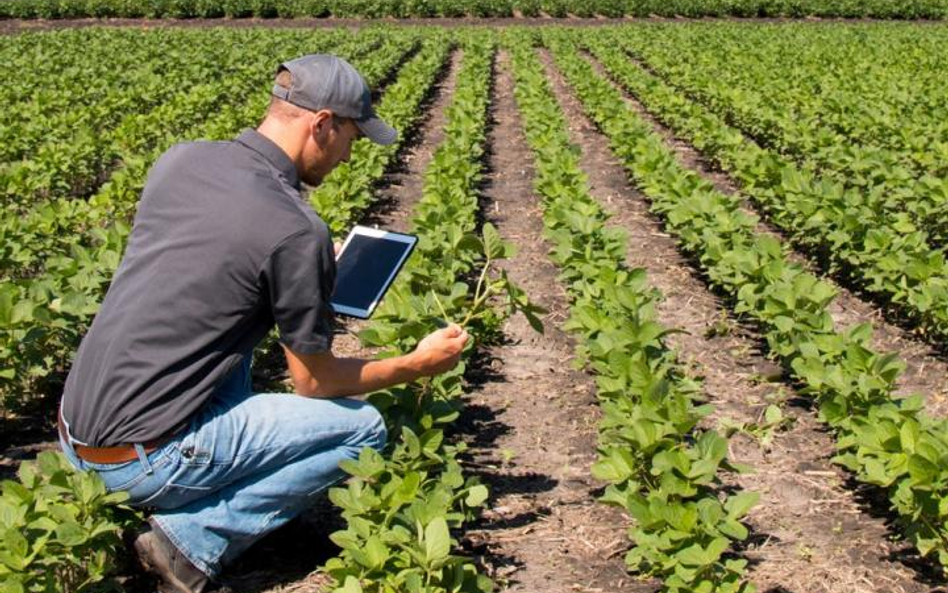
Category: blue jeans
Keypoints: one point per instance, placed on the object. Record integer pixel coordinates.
(245, 465)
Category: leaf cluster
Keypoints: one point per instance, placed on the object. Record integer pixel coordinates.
(60, 530)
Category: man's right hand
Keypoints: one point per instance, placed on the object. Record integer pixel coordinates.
(322, 374)
(440, 350)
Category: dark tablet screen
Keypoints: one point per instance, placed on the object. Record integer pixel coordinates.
(365, 268)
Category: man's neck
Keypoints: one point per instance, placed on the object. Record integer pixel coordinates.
(285, 137)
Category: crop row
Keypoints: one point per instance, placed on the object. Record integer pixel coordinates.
(798, 75)
(400, 507)
(884, 441)
(882, 130)
(898, 9)
(842, 228)
(79, 243)
(661, 468)
(141, 133)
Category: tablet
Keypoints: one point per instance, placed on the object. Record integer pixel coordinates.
(366, 265)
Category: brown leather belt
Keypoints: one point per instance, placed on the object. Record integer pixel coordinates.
(117, 454)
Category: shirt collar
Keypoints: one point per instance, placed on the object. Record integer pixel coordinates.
(257, 142)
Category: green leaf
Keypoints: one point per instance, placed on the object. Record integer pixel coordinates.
(11, 584)
(351, 586)
(773, 414)
(738, 505)
(476, 495)
(437, 541)
(15, 543)
(22, 312)
(71, 534)
(923, 471)
(693, 556)
(733, 529)
(376, 552)
(493, 244)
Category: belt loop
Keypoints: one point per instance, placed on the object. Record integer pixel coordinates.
(143, 458)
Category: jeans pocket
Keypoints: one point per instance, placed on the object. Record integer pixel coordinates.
(196, 446)
(193, 452)
(132, 477)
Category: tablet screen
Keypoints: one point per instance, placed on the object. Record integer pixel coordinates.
(367, 264)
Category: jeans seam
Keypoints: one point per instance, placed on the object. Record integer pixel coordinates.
(182, 547)
(279, 446)
(266, 525)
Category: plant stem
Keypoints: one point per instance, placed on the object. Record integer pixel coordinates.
(479, 299)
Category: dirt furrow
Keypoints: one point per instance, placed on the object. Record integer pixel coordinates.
(809, 532)
(402, 188)
(926, 369)
(532, 423)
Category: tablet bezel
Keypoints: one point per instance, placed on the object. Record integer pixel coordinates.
(410, 240)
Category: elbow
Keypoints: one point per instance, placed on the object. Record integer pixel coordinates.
(310, 375)
(306, 386)
(310, 387)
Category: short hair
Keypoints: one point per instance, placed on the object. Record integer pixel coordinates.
(284, 78)
(279, 108)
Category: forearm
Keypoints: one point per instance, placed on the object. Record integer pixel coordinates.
(322, 374)
(351, 376)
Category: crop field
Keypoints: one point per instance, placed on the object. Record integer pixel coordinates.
(189, 9)
(703, 263)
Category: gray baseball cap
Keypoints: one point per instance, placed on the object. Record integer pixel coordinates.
(323, 81)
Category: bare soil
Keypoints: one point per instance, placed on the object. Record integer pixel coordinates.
(810, 531)
(532, 426)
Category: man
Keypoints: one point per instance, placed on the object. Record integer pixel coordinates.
(158, 400)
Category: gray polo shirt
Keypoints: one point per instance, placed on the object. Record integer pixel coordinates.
(223, 247)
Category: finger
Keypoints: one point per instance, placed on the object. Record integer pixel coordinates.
(460, 340)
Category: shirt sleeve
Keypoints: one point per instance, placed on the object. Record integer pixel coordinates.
(300, 276)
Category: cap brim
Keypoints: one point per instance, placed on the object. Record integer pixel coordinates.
(377, 131)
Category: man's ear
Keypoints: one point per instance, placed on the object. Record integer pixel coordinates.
(321, 124)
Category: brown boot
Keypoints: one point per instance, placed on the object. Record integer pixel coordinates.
(161, 558)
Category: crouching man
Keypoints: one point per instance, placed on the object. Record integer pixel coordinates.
(224, 247)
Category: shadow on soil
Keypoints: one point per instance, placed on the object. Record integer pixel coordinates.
(873, 501)
(288, 554)
(27, 432)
